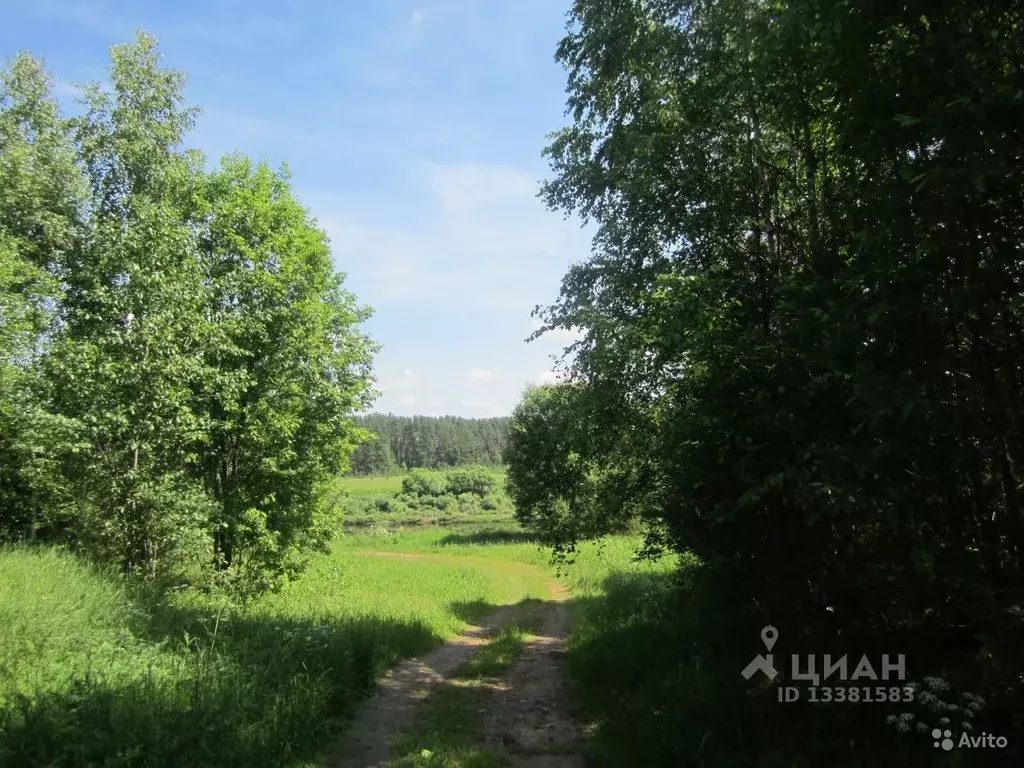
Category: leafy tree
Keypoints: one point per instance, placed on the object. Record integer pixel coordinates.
(567, 481)
(479, 481)
(180, 361)
(805, 291)
(128, 348)
(289, 366)
(41, 194)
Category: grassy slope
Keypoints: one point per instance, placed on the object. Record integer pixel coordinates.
(87, 669)
(93, 675)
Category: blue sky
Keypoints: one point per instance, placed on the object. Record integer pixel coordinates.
(413, 130)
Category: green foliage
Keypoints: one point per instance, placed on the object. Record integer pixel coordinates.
(479, 481)
(373, 457)
(544, 464)
(406, 442)
(802, 320)
(42, 192)
(290, 367)
(463, 493)
(179, 359)
(424, 482)
(567, 481)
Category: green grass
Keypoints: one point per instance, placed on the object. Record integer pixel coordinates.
(93, 673)
(585, 575)
(370, 485)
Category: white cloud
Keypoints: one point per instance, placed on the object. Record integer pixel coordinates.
(482, 408)
(417, 17)
(482, 238)
(482, 374)
(407, 400)
(548, 377)
(401, 381)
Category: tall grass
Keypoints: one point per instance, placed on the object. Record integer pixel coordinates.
(92, 674)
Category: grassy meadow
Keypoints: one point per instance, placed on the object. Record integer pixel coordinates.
(93, 672)
(370, 485)
(470, 494)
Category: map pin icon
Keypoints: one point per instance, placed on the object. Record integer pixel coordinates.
(768, 636)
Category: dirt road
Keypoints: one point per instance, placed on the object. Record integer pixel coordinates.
(528, 721)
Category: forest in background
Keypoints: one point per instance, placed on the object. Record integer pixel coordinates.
(429, 442)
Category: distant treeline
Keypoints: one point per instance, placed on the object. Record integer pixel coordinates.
(404, 442)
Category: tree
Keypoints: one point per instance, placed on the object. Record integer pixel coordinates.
(430, 442)
(806, 291)
(290, 364)
(567, 482)
(128, 350)
(41, 194)
(547, 475)
(373, 457)
(180, 360)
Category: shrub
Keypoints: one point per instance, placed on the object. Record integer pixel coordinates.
(441, 502)
(476, 480)
(424, 482)
(468, 503)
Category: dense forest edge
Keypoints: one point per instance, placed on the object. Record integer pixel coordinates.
(400, 443)
(800, 364)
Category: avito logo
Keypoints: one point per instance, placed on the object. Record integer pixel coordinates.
(943, 740)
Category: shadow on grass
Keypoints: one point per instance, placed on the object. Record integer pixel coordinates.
(655, 667)
(524, 613)
(472, 611)
(247, 690)
(490, 536)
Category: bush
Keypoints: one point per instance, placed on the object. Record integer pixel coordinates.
(468, 503)
(476, 480)
(384, 504)
(441, 502)
(424, 482)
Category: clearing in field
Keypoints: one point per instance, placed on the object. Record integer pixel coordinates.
(371, 485)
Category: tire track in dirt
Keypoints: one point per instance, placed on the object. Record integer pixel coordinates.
(530, 720)
(400, 692)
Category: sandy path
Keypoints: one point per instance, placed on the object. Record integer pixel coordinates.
(528, 720)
